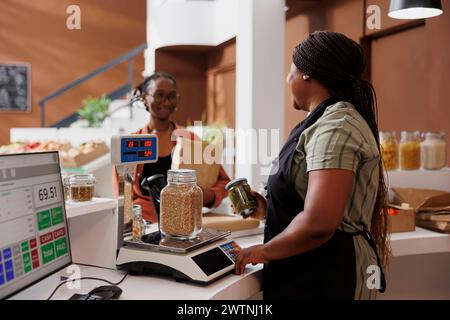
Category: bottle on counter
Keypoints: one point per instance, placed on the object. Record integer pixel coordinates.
(434, 151)
(82, 187)
(181, 205)
(65, 182)
(409, 150)
(389, 149)
(138, 225)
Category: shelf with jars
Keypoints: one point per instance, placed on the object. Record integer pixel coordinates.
(414, 151)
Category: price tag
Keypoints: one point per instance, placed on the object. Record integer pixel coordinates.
(45, 194)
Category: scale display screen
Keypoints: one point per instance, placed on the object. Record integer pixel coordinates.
(212, 261)
(136, 149)
(217, 259)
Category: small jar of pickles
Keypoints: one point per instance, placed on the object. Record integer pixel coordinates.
(389, 150)
(239, 192)
(409, 150)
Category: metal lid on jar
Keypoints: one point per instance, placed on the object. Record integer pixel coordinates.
(82, 179)
(234, 182)
(181, 176)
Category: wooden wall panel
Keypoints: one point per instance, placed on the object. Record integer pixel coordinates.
(35, 32)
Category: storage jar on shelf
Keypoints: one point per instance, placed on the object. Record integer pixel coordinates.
(389, 150)
(434, 151)
(409, 150)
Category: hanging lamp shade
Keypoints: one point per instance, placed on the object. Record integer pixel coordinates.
(415, 9)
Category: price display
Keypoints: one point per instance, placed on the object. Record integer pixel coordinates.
(139, 149)
(48, 193)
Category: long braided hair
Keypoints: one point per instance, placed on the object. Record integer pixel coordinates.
(338, 62)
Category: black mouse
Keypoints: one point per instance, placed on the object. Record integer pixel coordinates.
(107, 292)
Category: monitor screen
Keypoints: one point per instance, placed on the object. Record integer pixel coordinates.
(34, 241)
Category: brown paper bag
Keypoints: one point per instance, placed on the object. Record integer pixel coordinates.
(200, 156)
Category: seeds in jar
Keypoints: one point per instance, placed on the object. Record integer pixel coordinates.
(81, 193)
(181, 210)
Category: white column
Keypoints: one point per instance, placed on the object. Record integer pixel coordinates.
(260, 81)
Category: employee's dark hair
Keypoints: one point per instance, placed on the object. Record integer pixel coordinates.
(338, 63)
(141, 90)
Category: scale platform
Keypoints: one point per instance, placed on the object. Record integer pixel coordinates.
(202, 260)
(156, 243)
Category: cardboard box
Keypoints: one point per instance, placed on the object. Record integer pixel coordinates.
(83, 158)
(431, 207)
(401, 219)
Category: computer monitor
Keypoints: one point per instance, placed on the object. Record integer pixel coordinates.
(34, 240)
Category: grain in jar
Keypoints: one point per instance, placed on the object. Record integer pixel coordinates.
(81, 187)
(434, 151)
(389, 150)
(138, 225)
(181, 205)
(409, 150)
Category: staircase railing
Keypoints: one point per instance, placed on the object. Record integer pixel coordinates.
(114, 94)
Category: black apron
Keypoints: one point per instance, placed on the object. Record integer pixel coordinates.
(327, 272)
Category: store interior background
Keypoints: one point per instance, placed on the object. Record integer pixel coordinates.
(407, 67)
(408, 70)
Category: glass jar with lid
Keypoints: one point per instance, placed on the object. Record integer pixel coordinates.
(138, 225)
(389, 149)
(181, 205)
(409, 150)
(434, 151)
(81, 187)
(240, 196)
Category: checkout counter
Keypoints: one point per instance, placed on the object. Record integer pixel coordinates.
(96, 257)
(419, 268)
(413, 253)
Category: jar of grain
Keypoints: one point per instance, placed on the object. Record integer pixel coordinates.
(181, 205)
(138, 225)
(389, 150)
(434, 151)
(409, 150)
(81, 187)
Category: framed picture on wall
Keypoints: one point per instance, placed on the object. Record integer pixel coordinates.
(15, 91)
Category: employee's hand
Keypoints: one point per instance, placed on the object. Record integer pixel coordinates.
(261, 207)
(253, 255)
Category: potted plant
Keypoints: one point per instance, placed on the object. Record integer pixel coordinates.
(94, 110)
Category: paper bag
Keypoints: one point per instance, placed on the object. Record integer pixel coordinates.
(200, 156)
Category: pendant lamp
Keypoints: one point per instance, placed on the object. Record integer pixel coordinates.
(415, 9)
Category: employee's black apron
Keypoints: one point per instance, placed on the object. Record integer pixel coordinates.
(327, 272)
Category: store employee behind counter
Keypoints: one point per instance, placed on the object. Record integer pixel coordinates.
(161, 99)
(327, 191)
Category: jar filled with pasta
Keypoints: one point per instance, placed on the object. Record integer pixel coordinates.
(389, 150)
(409, 150)
(434, 151)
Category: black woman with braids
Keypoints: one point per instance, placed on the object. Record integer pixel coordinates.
(325, 234)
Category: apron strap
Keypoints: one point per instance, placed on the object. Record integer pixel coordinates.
(368, 237)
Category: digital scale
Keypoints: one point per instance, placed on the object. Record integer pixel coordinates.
(201, 260)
